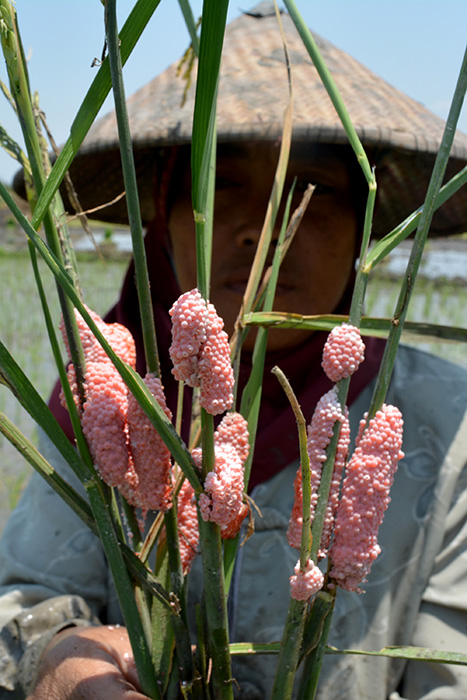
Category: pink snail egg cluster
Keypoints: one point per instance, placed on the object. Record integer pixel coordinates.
(320, 432)
(343, 352)
(189, 321)
(334, 491)
(304, 584)
(222, 500)
(150, 456)
(105, 407)
(365, 497)
(127, 451)
(233, 431)
(104, 420)
(200, 351)
(118, 337)
(188, 531)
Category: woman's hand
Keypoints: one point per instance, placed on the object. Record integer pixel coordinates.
(88, 662)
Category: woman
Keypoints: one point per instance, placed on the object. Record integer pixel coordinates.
(56, 585)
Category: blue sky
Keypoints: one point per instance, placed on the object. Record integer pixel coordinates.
(416, 45)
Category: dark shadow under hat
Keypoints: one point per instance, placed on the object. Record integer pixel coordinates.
(400, 135)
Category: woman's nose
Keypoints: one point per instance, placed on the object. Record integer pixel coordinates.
(247, 239)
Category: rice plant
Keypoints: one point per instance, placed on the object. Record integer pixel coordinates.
(101, 383)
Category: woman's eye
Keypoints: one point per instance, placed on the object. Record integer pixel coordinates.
(225, 183)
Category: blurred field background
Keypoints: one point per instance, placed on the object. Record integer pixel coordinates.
(23, 332)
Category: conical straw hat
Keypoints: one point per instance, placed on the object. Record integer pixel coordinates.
(400, 135)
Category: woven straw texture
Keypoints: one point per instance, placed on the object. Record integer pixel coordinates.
(400, 135)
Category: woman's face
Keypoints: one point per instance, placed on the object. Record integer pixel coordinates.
(317, 267)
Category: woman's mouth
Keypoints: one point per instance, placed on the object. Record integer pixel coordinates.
(238, 286)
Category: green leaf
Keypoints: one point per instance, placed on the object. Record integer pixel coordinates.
(163, 641)
(190, 24)
(216, 609)
(290, 649)
(210, 50)
(371, 326)
(203, 156)
(131, 190)
(420, 653)
(401, 652)
(254, 648)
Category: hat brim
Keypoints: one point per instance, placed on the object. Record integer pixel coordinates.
(400, 135)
